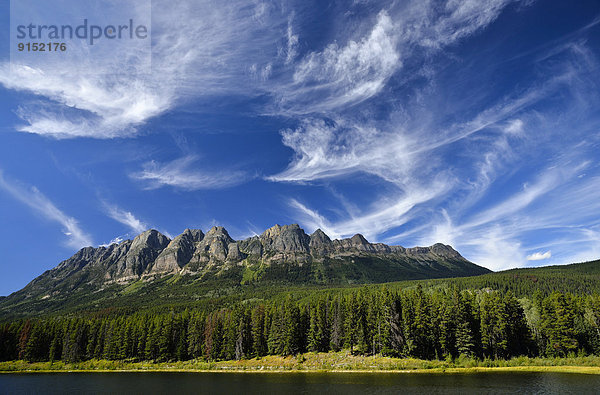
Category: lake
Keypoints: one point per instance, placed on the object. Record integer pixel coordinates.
(297, 383)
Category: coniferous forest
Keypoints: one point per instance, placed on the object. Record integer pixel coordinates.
(425, 323)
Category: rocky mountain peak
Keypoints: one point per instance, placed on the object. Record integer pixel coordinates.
(444, 250)
(359, 242)
(320, 243)
(195, 234)
(178, 253)
(272, 232)
(214, 246)
(287, 238)
(359, 239)
(140, 255)
(150, 239)
(218, 231)
(319, 238)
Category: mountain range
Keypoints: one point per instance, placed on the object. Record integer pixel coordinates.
(281, 254)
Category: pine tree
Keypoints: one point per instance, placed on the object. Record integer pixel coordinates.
(180, 336)
(196, 335)
(276, 338)
(446, 331)
(397, 339)
(558, 324)
(418, 320)
(243, 344)
(337, 325)
(25, 332)
(466, 329)
(213, 336)
(313, 332)
(352, 324)
(259, 342)
(99, 349)
(152, 340)
(292, 328)
(56, 341)
(518, 334)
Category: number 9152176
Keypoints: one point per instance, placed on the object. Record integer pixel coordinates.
(42, 47)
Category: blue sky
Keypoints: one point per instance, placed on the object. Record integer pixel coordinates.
(472, 123)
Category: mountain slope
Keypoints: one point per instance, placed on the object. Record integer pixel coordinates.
(281, 255)
(577, 278)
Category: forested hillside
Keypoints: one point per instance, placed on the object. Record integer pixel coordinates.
(549, 311)
(578, 278)
(411, 323)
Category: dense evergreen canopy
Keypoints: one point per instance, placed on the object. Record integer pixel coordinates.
(495, 316)
(426, 324)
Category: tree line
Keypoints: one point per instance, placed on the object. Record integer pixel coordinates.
(433, 324)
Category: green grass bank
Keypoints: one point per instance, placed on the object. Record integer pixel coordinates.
(321, 362)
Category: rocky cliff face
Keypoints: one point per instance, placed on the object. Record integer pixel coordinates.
(287, 238)
(144, 249)
(210, 251)
(151, 255)
(178, 253)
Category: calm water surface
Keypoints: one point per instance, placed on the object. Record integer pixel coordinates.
(297, 383)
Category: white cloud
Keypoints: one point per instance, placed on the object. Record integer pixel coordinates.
(180, 174)
(116, 240)
(326, 150)
(395, 149)
(312, 220)
(35, 200)
(504, 145)
(408, 159)
(559, 206)
(348, 74)
(495, 251)
(125, 217)
(588, 247)
(234, 47)
(343, 75)
(514, 126)
(385, 214)
(292, 42)
(200, 48)
(458, 19)
(82, 104)
(520, 200)
(538, 256)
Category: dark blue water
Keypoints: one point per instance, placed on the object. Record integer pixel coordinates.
(297, 383)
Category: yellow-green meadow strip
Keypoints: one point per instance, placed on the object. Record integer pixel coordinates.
(320, 362)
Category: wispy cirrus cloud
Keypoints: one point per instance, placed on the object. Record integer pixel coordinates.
(345, 75)
(517, 170)
(521, 199)
(393, 149)
(125, 217)
(238, 47)
(387, 213)
(411, 160)
(440, 26)
(83, 104)
(559, 207)
(340, 76)
(39, 203)
(182, 173)
(332, 149)
(199, 49)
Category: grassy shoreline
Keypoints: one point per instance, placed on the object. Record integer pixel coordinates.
(319, 363)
